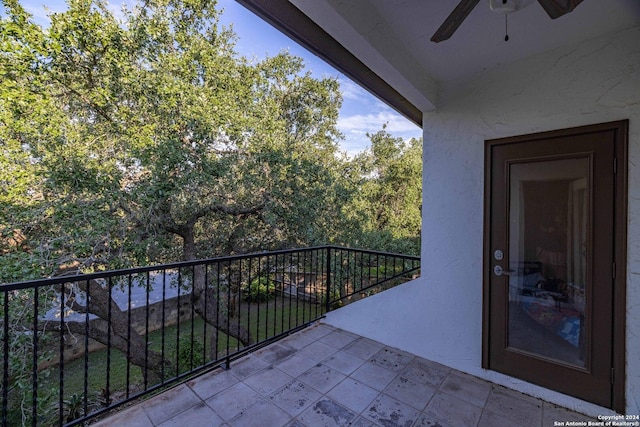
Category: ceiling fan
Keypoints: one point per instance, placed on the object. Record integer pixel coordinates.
(554, 8)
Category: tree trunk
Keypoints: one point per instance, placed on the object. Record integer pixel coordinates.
(210, 307)
(205, 298)
(113, 328)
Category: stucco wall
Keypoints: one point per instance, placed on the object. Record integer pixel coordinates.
(439, 316)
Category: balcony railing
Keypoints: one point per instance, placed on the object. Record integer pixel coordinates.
(78, 346)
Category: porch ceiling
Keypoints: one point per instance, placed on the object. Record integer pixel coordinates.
(391, 39)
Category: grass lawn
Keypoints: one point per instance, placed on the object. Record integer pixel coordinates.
(263, 320)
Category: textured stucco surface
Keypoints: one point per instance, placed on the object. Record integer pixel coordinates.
(439, 316)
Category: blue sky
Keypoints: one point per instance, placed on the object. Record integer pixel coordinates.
(361, 112)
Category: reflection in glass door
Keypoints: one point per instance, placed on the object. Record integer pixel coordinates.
(549, 205)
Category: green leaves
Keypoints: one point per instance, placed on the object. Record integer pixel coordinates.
(147, 139)
(389, 203)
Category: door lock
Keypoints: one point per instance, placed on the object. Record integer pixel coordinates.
(499, 271)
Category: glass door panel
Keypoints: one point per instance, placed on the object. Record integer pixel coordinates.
(549, 215)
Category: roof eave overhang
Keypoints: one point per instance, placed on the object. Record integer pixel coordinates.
(287, 18)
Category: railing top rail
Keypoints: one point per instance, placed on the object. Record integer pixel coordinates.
(182, 264)
(381, 253)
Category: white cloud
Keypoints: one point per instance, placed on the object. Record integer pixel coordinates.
(373, 122)
(356, 126)
(41, 13)
(353, 91)
(362, 113)
(354, 144)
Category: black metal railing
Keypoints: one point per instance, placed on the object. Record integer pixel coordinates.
(76, 347)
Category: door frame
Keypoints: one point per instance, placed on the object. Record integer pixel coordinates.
(620, 129)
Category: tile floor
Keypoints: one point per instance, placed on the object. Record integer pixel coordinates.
(323, 376)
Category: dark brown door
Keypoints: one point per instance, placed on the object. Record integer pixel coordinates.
(551, 219)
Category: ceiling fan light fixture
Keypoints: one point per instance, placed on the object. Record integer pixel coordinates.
(503, 6)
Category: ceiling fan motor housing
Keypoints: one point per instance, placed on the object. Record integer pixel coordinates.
(503, 6)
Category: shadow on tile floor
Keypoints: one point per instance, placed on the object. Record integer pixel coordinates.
(323, 376)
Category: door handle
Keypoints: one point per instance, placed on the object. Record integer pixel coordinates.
(499, 271)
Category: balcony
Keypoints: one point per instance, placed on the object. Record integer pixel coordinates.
(234, 341)
(80, 347)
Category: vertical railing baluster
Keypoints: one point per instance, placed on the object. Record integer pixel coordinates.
(146, 332)
(177, 352)
(328, 280)
(128, 374)
(301, 266)
(357, 265)
(86, 350)
(248, 279)
(368, 278)
(193, 284)
(385, 270)
(304, 286)
(281, 303)
(257, 299)
(206, 313)
(275, 297)
(107, 389)
(394, 266)
(319, 266)
(290, 287)
(353, 269)
(61, 360)
(228, 322)
(163, 323)
(5, 360)
(266, 315)
(218, 311)
(351, 272)
(282, 306)
(383, 267)
(236, 297)
(296, 296)
(296, 289)
(34, 392)
(343, 271)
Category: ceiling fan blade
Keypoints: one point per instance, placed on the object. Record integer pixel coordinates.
(453, 21)
(557, 8)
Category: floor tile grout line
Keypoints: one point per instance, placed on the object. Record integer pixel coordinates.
(484, 410)
(325, 395)
(383, 391)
